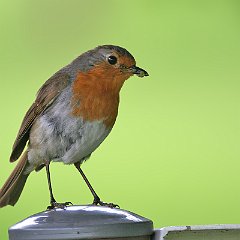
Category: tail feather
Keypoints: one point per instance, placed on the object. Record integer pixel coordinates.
(12, 189)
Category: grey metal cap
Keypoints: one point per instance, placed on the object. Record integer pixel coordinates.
(81, 222)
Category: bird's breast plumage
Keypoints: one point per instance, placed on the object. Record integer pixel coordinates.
(64, 132)
(95, 97)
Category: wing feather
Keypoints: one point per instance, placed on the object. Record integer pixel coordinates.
(45, 96)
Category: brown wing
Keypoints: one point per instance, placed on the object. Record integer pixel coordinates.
(45, 96)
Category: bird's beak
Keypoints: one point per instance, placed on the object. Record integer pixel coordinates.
(139, 71)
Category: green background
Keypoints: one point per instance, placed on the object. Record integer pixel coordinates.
(173, 155)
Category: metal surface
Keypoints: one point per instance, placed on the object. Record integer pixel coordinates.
(201, 232)
(81, 222)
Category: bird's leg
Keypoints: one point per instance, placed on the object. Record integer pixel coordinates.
(96, 198)
(53, 202)
(52, 199)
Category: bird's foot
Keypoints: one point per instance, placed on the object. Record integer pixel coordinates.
(58, 205)
(97, 201)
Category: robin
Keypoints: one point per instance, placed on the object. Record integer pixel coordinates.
(73, 113)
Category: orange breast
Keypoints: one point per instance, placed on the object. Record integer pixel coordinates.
(96, 97)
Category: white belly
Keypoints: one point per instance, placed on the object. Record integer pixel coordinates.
(93, 134)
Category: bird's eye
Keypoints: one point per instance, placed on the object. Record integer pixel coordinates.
(112, 60)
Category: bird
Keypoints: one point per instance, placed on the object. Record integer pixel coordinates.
(74, 111)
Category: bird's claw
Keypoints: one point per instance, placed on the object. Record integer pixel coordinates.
(58, 205)
(97, 201)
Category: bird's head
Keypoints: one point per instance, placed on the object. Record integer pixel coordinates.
(108, 66)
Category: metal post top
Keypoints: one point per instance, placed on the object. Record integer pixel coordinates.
(79, 222)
